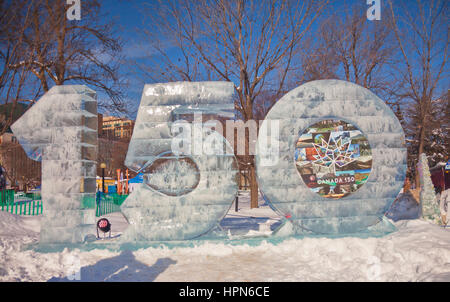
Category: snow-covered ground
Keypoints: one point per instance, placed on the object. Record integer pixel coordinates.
(418, 251)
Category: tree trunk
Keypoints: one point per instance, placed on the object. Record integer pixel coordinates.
(43, 80)
(253, 186)
(421, 150)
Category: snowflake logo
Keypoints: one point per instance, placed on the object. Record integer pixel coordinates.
(333, 153)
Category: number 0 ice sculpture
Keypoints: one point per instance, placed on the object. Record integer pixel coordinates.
(342, 160)
(61, 130)
(185, 194)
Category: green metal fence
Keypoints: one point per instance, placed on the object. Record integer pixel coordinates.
(109, 203)
(6, 195)
(106, 207)
(35, 195)
(28, 207)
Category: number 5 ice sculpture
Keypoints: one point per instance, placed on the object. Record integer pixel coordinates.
(189, 184)
(61, 130)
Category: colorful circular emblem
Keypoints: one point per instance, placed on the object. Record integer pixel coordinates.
(333, 157)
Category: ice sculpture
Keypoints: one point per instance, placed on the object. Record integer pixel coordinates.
(188, 188)
(362, 210)
(428, 201)
(61, 130)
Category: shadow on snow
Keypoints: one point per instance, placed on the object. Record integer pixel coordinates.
(123, 267)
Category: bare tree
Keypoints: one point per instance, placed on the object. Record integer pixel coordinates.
(347, 46)
(58, 50)
(422, 34)
(14, 19)
(437, 146)
(249, 43)
(21, 171)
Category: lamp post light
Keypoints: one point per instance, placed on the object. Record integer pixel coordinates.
(103, 166)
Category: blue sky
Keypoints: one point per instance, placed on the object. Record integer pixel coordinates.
(130, 19)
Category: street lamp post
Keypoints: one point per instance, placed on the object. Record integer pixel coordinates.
(103, 166)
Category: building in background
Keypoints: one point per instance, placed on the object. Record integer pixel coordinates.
(116, 127)
(114, 135)
(100, 124)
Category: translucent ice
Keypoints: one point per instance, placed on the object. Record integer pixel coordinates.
(360, 212)
(61, 130)
(428, 200)
(185, 195)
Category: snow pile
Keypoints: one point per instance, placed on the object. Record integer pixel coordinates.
(15, 231)
(418, 251)
(13, 225)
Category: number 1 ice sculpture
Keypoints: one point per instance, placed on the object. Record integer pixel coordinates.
(61, 131)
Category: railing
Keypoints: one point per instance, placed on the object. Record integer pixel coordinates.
(6, 196)
(27, 207)
(109, 203)
(34, 195)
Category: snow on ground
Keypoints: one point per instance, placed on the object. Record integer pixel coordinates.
(418, 251)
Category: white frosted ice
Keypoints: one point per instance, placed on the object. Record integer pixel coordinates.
(428, 201)
(61, 130)
(178, 200)
(359, 212)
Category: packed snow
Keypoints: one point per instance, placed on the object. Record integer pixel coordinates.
(418, 251)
